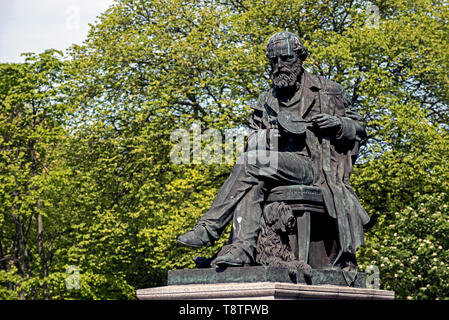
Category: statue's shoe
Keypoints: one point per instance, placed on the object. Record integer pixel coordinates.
(227, 261)
(234, 257)
(195, 238)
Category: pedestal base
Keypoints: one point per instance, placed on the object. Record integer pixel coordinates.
(261, 291)
(263, 282)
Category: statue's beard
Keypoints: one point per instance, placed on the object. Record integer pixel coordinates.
(287, 78)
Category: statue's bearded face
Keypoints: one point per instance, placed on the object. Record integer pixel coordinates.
(285, 70)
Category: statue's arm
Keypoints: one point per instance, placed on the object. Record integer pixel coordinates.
(258, 116)
(258, 125)
(352, 126)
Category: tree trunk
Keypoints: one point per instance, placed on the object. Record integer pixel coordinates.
(40, 242)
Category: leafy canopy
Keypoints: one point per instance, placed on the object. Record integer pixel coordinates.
(112, 203)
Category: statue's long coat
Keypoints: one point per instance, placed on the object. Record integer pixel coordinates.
(332, 155)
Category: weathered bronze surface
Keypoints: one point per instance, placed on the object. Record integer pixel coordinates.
(296, 210)
(260, 274)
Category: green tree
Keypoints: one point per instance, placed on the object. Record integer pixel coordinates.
(151, 67)
(31, 131)
(173, 62)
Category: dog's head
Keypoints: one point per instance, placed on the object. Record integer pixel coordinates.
(280, 218)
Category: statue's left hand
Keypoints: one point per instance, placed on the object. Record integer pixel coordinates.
(326, 121)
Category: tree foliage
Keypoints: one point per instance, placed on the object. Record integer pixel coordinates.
(85, 171)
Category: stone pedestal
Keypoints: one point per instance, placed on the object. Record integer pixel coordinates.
(262, 283)
(261, 291)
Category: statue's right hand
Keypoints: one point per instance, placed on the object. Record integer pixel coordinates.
(273, 138)
(275, 133)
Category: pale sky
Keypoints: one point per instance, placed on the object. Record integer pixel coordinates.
(37, 25)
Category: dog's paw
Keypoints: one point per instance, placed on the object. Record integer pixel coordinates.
(304, 267)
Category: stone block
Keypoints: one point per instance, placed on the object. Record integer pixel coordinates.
(260, 274)
(261, 291)
(261, 283)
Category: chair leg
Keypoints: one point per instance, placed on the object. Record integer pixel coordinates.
(303, 229)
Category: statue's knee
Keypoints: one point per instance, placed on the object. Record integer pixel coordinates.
(306, 172)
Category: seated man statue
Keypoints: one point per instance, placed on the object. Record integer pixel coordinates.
(316, 146)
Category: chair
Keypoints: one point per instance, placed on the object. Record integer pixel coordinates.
(315, 239)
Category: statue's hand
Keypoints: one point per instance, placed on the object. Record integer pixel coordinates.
(326, 121)
(275, 133)
(273, 138)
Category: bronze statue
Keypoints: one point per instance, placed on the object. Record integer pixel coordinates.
(313, 134)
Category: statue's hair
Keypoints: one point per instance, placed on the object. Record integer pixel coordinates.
(294, 44)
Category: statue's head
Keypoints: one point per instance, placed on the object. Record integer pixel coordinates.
(286, 53)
